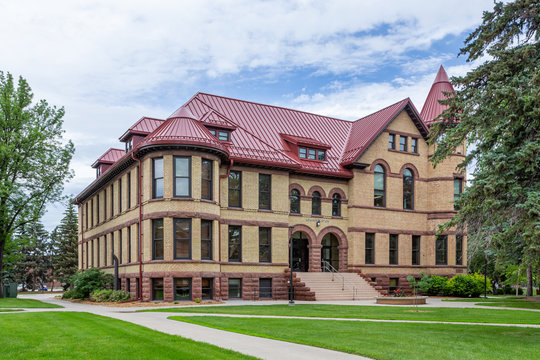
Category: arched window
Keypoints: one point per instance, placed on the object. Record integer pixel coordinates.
(379, 199)
(316, 203)
(408, 189)
(295, 201)
(336, 205)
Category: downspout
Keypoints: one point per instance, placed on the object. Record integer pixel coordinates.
(82, 235)
(219, 232)
(139, 175)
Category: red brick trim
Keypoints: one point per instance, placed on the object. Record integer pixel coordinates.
(343, 244)
(381, 162)
(254, 223)
(297, 187)
(387, 208)
(340, 192)
(317, 188)
(114, 228)
(412, 168)
(400, 232)
(180, 214)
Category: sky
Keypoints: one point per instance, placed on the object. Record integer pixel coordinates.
(108, 63)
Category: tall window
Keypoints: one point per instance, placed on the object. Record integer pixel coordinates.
(235, 288)
(182, 289)
(265, 188)
(105, 209)
(265, 244)
(441, 250)
(402, 143)
(112, 248)
(182, 176)
(129, 190)
(120, 195)
(295, 201)
(393, 249)
(157, 178)
(98, 254)
(416, 250)
(312, 154)
(112, 199)
(414, 145)
(129, 243)
(182, 238)
(336, 205)
(86, 214)
(157, 239)
(458, 189)
(392, 141)
(206, 239)
(120, 247)
(459, 249)
(316, 203)
(105, 252)
(370, 248)
(92, 212)
(207, 288)
(206, 179)
(235, 189)
(379, 199)
(408, 189)
(157, 289)
(235, 243)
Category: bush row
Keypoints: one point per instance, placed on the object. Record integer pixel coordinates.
(108, 295)
(94, 284)
(471, 285)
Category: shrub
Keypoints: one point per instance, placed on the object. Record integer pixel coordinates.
(107, 295)
(85, 282)
(471, 285)
(433, 284)
(68, 294)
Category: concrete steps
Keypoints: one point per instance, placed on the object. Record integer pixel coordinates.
(328, 286)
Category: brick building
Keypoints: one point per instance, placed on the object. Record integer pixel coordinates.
(202, 204)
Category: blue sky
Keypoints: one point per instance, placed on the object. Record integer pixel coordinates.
(111, 62)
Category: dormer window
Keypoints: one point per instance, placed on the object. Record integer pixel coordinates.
(311, 154)
(129, 144)
(98, 171)
(222, 135)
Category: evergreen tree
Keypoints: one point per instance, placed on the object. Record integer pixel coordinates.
(496, 108)
(65, 239)
(34, 160)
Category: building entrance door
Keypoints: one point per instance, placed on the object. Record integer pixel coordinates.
(300, 252)
(330, 251)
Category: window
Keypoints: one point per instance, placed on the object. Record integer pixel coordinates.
(112, 200)
(312, 154)
(235, 288)
(87, 264)
(129, 190)
(97, 252)
(295, 201)
(441, 250)
(416, 250)
(336, 205)
(128, 284)
(458, 188)
(302, 153)
(393, 249)
(265, 244)
(235, 189)
(414, 145)
(182, 289)
(379, 197)
(112, 248)
(157, 178)
(459, 249)
(265, 186)
(120, 254)
(408, 189)
(206, 239)
(370, 248)
(182, 176)
(207, 288)
(182, 238)
(157, 289)
(97, 208)
(212, 131)
(105, 250)
(223, 135)
(86, 214)
(157, 239)
(402, 143)
(92, 212)
(206, 179)
(265, 288)
(98, 171)
(129, 244)
(235, 243)
(393, 285)
(321, 155)
(120, 195)
(129, 144)
(316, 203)
(392, 141)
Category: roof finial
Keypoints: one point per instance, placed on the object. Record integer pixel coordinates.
(441, 76)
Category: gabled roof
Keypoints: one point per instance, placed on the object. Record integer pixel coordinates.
(109, 157)
(143, 126)
(432, 108)
(182, 128)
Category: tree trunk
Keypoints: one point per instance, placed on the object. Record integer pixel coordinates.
(2, 244)
(529, 281)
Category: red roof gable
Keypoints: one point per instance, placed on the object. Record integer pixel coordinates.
(144, 126)
(432, 108)
(109, 157)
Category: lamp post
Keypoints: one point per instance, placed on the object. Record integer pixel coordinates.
(291, 288)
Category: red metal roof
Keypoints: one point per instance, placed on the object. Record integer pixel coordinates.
(143, 126)
(432, 108)
(109, 157)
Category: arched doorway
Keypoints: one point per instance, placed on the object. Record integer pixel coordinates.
(300, 252)
(330, 251)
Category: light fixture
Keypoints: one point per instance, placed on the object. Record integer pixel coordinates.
(318, 222)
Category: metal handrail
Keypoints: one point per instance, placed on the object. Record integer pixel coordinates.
(327, 267)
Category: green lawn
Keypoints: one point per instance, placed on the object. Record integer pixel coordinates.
(371, 312)
(390, 340)
(519, 302)
(72, 335)
(4, 310)
(25, 303)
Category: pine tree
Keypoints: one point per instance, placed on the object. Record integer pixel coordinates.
(65, 239)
